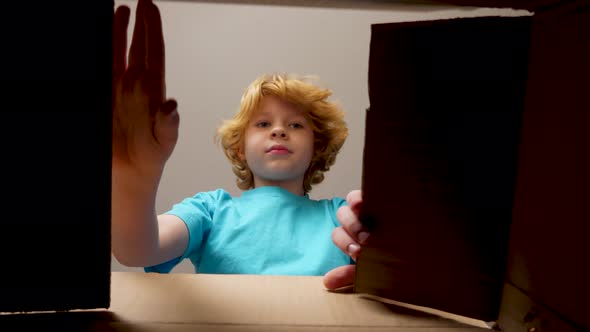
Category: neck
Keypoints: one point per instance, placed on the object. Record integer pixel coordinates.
(293, 186)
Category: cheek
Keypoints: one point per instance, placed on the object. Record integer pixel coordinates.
(243, 149)
(245, 152)
(249, 145)
(311, 139)
(310, 146)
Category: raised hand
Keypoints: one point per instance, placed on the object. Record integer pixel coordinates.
(348, 238)
(145, 123)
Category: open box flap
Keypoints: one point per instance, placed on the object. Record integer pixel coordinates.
(546, 284)
(56, 136)
(548, 281)
(440, 158)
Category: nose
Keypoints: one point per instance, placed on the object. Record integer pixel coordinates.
(278, 132)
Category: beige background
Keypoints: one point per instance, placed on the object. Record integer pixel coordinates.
(214, 49)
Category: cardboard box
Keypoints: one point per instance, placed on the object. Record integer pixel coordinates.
(56, 233)
(441, 148)
(56, 102)
(189, 302)
(475, 169)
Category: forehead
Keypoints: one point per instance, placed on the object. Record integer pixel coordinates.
(272, 105)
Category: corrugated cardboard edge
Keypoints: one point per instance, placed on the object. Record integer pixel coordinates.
(432, 311)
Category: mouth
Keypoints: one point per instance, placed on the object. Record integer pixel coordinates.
(278, 149)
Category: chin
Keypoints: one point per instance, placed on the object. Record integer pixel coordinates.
(280, 176)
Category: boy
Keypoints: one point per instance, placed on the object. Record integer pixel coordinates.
(280, 143)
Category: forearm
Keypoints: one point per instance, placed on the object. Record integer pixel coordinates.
(134, 225)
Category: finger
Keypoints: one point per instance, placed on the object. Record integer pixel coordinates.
(167, 121)
(121, 22)
(169, 106)
(354, 200)
(137, 50)
(351, 224)
(345, 242)
(340, 277)
(154, 40)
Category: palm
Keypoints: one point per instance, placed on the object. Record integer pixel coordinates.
(145, 125)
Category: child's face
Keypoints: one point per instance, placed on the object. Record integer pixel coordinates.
(278, 143)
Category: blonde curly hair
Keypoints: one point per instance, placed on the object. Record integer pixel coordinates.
(326, 119)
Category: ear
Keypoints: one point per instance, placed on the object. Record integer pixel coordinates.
(241, 154)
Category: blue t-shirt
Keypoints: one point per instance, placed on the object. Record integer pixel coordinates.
(267, 230)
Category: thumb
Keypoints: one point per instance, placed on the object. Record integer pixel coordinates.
(169, 106)
(167, 122)
(340, 277)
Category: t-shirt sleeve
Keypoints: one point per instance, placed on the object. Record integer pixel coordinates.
(197, 214)
(337, 202)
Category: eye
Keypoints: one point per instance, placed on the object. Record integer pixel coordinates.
(262, 124)
(296, 125)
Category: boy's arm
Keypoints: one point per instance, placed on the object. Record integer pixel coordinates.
(139, 237)
(145, 131)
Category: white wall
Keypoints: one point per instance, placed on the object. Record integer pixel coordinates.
(214, 50)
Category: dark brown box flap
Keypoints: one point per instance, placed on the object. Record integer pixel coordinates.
(441, 147)
(409, 259)
(56, 135)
